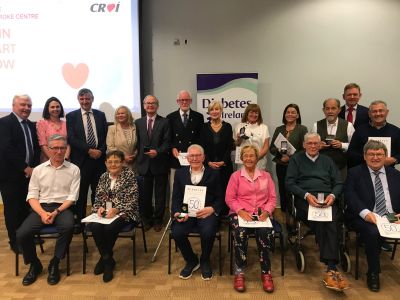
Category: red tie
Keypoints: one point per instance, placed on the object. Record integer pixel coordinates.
(149, 128)
(350, 114)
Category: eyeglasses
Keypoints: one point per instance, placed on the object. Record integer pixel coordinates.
(378, 155)
(184, 100)
(113, 162)
(151, 103)
(192, 156)
(58, 148)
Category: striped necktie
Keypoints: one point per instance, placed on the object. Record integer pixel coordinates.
(380, 202)
(28, 142)
(91, 140)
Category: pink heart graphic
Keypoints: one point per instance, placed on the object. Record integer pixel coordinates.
(75, 76)
(110, 7)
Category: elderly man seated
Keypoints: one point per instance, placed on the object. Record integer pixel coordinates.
(206, 219)
(53, 188)
(311, 175)
(371, 189)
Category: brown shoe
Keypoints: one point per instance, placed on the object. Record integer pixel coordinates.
(239, 283)
(342, 282)
(331, 282)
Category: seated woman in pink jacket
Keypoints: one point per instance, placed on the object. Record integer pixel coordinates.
(251, 191)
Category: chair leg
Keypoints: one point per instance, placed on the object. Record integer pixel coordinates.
(282, 254)
(169, 253)
(85, 251)
(394, 249)
(16, 264)
(357, 255)
(231, 254)
(220, 254)
(68, 263)
(144, 238)
(134, 251)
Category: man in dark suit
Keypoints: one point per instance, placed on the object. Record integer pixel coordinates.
(87, 132)
(370, 189)
(153, 142)
(206, 220)
(19, 152)
(185, 125)
(353, 112)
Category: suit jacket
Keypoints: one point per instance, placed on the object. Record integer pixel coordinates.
(210, 179)
(362, 116)
(13, 148)
(160, 141)
(359, 190)
(182, 137)
(77, 137)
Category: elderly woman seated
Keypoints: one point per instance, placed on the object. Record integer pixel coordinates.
(251, 191)
(116, 195)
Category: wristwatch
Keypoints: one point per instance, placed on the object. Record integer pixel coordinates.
(58, 211)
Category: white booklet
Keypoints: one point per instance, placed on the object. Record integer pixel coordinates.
(195, 198)
(278, 144)
(320, 214)
(387, 229)
(94, 218)
(237, 155)
(387, 141)
(254, 224)
(182, 157)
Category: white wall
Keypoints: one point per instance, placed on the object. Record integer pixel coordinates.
(304, 50)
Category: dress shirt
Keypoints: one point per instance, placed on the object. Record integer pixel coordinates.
(354, 113)
(84, 118)
(152, 124)
(49, 184)
(382, 176)
(332, 128)
(196, 177)
(181, 112)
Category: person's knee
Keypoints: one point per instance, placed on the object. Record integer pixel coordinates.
(178, 232)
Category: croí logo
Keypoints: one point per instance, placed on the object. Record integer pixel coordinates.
(104, 7)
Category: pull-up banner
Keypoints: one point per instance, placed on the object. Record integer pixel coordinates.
(234, 90)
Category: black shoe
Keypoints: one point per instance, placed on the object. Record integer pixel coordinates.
(99, 268)
(109, 265)
(77, 228)
(188, 270)
(206, 271)
(34, 270)
(15, 248)
(386, 247)
(373, 281)
(54, 274)
(147, 226)
(157, 227)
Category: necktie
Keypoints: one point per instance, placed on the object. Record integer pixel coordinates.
(91, 140)
(28, 142)
(380, 202)
(350, 114)
(149, 128)
(185, 119)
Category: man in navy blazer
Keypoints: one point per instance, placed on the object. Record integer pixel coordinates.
(206, 220)
(86, 152)
(359, 193)
(152, 162)
(359, 114)
(19, 152)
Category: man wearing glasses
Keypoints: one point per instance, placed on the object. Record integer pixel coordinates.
(372, 189)
(206, 219)
(185, 126)
(153, 142)
(53, 188)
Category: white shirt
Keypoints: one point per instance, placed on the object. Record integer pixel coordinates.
(332, 128)
(49, 184)
(181, 112)
(196, 177)
(84, 118)
(382, 176)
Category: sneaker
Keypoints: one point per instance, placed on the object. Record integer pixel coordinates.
(188, 270)
(239, 283)
(268, 284)
(206, 271)
(342, 282)
(330, 280)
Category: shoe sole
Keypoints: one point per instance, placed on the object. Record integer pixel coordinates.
(206, 278)
(331, 287)
(194, 270)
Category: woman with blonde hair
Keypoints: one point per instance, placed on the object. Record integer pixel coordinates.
(122, 135)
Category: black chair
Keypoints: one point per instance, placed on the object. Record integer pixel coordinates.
(278, 234)
(195, 234)
(128, 231)
(47, 232)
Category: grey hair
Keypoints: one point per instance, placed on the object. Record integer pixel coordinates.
(22, 96)
(374, 145)
(310, 135)
(183, 91)
(337, 102)
(376, 102)
(148, 96)
(85, 91)
(56, 137)
(196, 146)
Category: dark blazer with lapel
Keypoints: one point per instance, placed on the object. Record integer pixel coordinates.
(77, 137)
(211, 180)
(13, 149)
(182, 137)
(160, 141)
(362, 115)
(359, 190)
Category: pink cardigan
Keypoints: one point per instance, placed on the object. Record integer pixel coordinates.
(247, 194)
